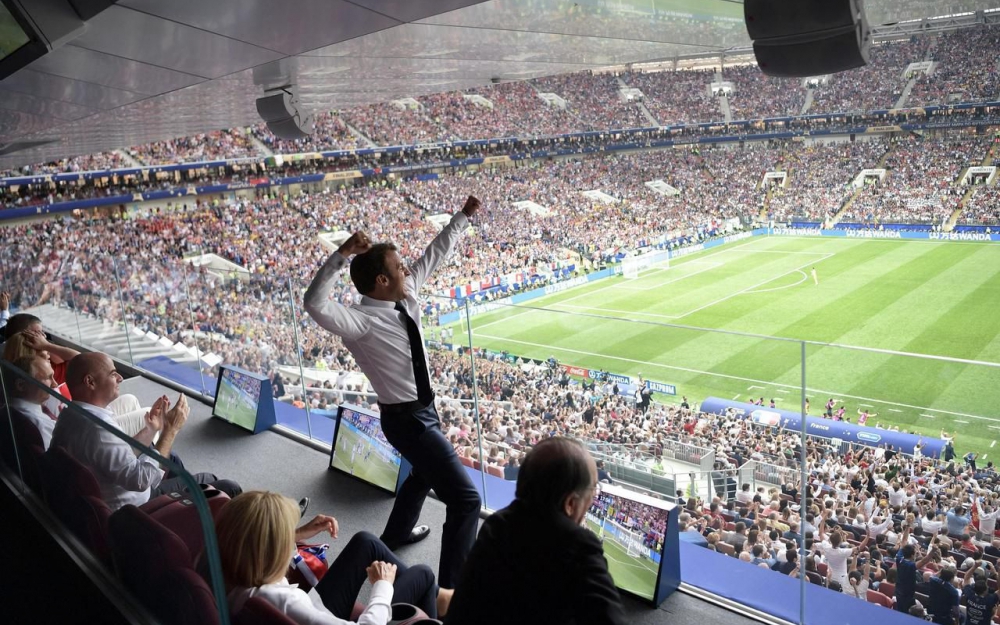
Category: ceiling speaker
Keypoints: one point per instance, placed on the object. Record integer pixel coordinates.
(801, 38)
(280, 111)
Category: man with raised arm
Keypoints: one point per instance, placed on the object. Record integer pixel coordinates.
(382, 331)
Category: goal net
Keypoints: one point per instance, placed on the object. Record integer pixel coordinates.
(632, 266)
(628, 540)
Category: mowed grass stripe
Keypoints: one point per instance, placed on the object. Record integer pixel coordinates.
(887, 294)
(790, 314)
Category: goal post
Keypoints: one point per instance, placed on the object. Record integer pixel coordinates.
(633, 266)
(628, 540)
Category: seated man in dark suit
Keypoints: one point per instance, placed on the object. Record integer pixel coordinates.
(533, 562)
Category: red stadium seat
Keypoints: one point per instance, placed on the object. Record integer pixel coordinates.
(875, 596)
(156, 566)
(823, 569)
(725, 548)
(74, 497)
(256, 611)
(494, 471)
(887, 588)
(466, 461)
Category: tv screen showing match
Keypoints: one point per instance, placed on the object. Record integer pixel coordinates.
(237, 398)
(360, 449)
(631, 527)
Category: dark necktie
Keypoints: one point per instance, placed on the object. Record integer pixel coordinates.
(424, 393)
(48, 412)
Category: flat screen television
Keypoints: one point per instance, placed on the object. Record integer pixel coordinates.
(639, 536)
(361, 450)
(244, 399)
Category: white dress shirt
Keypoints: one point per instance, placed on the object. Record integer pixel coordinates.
(33, 412)
(124, 478)
(307, 608)
(372, 329)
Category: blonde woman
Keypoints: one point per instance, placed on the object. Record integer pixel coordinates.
(257, 533)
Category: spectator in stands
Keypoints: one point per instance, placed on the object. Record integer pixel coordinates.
(944, 598)
(980, 602)
(257, 535)
(906, 571)
(533, 558)
(28, 400)
(4, 310)
(602, 474)
(124, 477)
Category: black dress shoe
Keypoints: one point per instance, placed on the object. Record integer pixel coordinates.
(303, 506)
(417, 534)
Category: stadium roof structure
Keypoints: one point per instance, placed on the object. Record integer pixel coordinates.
(148, 70)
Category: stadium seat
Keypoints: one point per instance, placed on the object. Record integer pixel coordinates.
(466, 461)
(155, 565)
(74, 497)
(256, 611)
(823, 569)
(887, 588)
(494, 471)
(179, 515)
(875, 596)
(29, 449)
(725, 548)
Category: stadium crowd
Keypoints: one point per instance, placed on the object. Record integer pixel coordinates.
(921, 181)
(820, 179)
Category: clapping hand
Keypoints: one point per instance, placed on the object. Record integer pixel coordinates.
(177, 416)
(319, 523)
(4, 300)
(379, 571)
(155, 417)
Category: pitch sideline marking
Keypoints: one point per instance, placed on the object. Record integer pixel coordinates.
(682, 261)
(759, 284)
(781, 288)
(659, 285)
(736, 377)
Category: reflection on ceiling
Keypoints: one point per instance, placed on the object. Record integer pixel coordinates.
(147, 70)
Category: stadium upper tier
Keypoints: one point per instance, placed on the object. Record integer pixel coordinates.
(950, 68)
(924, 180)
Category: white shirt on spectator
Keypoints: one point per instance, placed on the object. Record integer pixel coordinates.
(33, 412)
(373, 330)
(307, 608)
(123, 477)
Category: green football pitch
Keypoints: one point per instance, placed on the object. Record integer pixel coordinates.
(631, 573)
(230, 405)
(375, 470)
(909, 330)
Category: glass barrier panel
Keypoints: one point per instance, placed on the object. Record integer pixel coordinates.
(134, 308)
(906, 437)
(667, 408)
(110, 490)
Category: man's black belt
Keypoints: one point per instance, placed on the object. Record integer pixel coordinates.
(404, 408)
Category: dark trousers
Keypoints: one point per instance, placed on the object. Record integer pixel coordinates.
(340, 585)
(172, 483)
(417, 435)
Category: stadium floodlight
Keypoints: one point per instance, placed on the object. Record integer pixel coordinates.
(807, 37)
